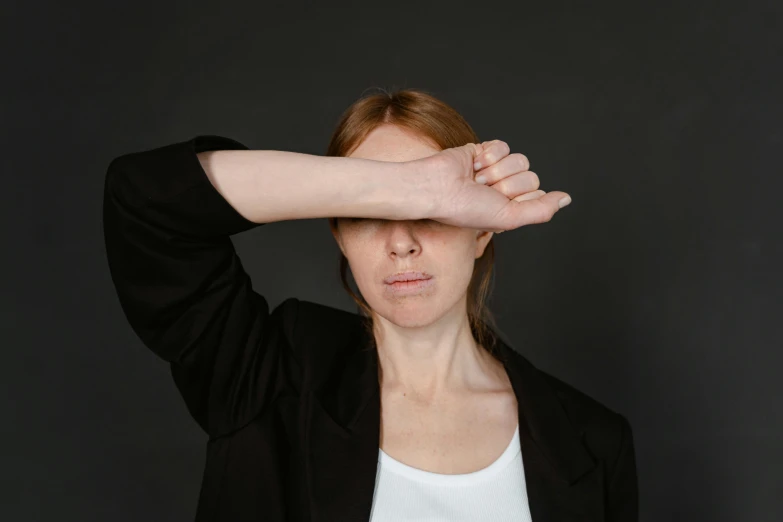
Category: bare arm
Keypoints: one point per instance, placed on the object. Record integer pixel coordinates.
(269, 185)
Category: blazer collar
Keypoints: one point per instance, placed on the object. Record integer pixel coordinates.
(345, 432)
(540, 413)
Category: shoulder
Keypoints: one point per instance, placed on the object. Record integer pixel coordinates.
(322, 336)
(603, 431)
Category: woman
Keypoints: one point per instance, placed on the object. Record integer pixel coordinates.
(414, 409)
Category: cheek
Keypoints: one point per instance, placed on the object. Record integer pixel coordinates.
(363, 261)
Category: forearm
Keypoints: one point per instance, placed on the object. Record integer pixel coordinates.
(269, 185)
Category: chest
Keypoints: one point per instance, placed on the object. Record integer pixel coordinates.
(454, 437)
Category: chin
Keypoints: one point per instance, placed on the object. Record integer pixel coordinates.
(411, 314)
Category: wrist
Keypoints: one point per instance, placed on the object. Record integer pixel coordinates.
(421, 188)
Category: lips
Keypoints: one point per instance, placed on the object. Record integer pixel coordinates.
(406, 276)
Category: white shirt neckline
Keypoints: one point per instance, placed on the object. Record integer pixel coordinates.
(461, 479)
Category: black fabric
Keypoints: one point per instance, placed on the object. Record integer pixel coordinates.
(289, 398)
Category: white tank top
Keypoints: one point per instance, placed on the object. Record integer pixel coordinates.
(496, 493)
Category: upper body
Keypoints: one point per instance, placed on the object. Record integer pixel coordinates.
(290, 398)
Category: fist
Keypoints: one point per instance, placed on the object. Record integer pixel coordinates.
(485, 186)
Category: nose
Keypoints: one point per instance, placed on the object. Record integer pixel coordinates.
(402, 242)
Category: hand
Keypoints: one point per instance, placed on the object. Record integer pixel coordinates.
(509, 199)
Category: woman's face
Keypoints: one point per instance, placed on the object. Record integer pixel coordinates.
(379, 248)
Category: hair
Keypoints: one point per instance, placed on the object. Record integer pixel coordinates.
(428, 117)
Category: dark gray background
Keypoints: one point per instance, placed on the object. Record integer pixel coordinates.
(658, 291)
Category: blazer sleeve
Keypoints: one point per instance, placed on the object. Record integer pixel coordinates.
(184, 291)
(623, 493)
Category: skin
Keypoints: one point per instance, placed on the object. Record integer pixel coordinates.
(426, 349)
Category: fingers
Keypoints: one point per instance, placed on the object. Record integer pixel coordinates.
(526, 197)
(475, 149)
(510, 175)
(505, 167)
(530, 195)
(532, 210)
(493, 151)
(515, 184)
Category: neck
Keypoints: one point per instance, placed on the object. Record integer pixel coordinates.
(434, 362)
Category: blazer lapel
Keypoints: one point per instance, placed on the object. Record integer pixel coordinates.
(343, 433)
(342, 436)
(563, 481)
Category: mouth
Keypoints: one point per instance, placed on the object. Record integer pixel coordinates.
(407, 276)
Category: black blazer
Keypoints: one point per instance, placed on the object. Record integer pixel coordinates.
(289, 398)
